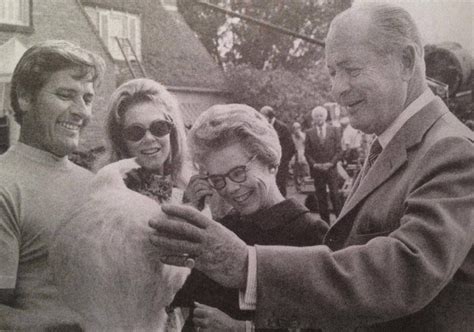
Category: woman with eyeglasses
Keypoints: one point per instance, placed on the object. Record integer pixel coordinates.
(238, 152)
(108, 270)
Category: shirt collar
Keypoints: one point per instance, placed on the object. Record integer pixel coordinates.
(417, 105)
(323, 126)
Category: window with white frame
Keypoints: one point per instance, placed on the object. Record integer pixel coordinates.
(169, 5)
(112, 24)
(15, 12)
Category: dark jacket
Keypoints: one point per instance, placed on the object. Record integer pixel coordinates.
(287, 145)
(322, 151)
(286, 223)
(400, 255)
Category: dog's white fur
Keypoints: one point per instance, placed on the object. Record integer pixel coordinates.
(104, 265)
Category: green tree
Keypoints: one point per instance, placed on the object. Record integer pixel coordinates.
(236, 41)
(206, 24)
(292, 95)
(264, 66)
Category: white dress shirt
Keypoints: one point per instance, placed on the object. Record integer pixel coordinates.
(321, 131)
(417, 105)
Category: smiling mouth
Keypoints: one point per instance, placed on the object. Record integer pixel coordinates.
(70, 125)
(242, 198)
(151, 151)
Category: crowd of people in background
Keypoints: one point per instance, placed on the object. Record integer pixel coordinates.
(139, 246)
(320, 159)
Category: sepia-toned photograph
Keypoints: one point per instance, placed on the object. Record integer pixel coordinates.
(237, 165)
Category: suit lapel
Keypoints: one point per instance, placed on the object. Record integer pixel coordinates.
(324, 141)
(315, 138)
(327, 136)
(389, 161)
(395, 153)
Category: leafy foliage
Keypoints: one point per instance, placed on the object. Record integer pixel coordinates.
(292, 95)
(206, 24)
(236, 41)
(264, 66)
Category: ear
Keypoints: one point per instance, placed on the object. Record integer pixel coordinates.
(408, 62)
(272, 170)
(25, 101)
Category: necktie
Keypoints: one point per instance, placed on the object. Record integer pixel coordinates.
(374, 151)
(320, 132)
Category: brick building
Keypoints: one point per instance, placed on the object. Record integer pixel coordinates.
(165, 46)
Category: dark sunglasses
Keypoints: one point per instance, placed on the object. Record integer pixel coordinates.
(158, 128)
(237, 174)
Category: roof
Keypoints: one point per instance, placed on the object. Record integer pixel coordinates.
(172, 53)
(190, 113)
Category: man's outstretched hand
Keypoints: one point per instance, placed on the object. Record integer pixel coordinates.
(183, 233)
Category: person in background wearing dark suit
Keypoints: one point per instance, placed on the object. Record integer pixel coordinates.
(323, 151)
(400, 255)
(287, 147)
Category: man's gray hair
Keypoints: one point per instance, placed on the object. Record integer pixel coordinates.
(393, 27)
(223, 125)
(319, 110)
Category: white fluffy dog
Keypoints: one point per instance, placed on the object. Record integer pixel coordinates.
(104, 265)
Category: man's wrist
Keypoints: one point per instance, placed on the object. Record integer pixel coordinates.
(243, 277)
(248, 294)
(249, 326)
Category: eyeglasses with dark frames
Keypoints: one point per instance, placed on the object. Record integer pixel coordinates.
(237, 174)
(157, 128)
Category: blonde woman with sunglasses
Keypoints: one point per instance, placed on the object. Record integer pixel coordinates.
(144, 122)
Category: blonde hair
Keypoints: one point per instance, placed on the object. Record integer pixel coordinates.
(146, 90)
(319, 110)
(223, 125)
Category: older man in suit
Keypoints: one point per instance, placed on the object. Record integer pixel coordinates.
(323, 151)
(400, 256)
